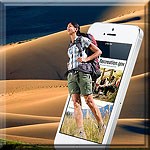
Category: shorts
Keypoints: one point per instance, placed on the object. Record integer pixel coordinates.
(79, 83)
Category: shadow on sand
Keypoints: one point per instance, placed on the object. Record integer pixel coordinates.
(128, 20)
(142, 129)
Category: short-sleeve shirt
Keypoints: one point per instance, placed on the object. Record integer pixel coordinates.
(74, 52)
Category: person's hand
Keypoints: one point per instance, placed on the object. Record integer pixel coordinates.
(81, 59)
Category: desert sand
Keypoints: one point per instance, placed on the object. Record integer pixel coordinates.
(35, 113)
(33, 107)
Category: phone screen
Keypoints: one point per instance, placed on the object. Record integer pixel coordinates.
(112, 64)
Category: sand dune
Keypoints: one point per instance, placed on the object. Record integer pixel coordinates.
(37, 59)
(121, 12)
(135, 17)
(42, 127)
(46, 130)
(44, 133)
(39, 102)
(50, 102)
(14, 120)
(15, 86)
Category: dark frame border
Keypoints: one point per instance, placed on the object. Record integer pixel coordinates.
(90, 3)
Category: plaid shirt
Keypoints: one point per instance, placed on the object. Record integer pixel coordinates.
(74, 53)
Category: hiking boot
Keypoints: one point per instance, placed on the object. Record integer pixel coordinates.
(80, 133)
(102, 128)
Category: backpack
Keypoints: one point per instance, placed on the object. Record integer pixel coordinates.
(94, 64)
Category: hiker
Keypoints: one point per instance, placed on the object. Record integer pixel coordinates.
(100, 87)
(79, 82)
(108, 86)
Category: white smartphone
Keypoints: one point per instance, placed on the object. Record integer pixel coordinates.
(120, 45)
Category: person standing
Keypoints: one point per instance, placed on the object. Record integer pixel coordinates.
(80, 83)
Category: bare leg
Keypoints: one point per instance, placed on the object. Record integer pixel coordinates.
(78, 116)
(77, 110)
(94, 109)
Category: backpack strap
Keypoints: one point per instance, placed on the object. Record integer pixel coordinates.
(78, 44)
(91, 37)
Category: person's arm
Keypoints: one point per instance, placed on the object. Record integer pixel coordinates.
(95, 49)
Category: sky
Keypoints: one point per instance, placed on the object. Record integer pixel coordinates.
(27, 22)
